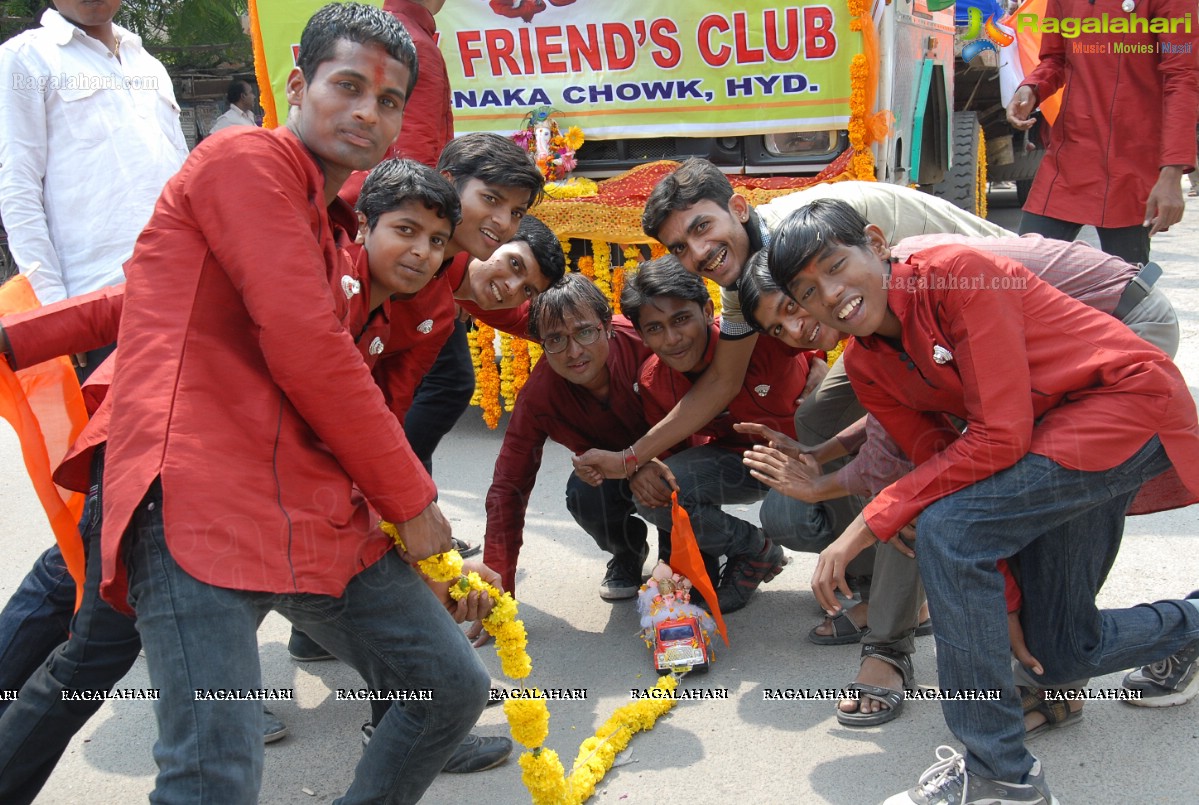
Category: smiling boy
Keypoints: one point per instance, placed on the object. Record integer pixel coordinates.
(672, 312)
(219, 507)
(1044, 476)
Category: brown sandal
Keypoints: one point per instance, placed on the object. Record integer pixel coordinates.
(1057, 712)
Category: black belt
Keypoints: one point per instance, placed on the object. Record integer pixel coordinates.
(1138, 288)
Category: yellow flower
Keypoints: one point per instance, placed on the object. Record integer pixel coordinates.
(542, 774)
(529, 719)
(574, 138)
(442, 567)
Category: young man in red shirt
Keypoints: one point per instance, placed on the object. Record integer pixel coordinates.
(583, 392)
(672, 311)
(220, 507)
(1042, 478)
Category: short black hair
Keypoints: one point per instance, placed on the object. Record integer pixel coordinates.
(545, 246)
(806, 233)
(236, 89)
(755, 283)
(354, 22)
(573, 293)
(662, 276)
(394, 182)
(694, 181)
(491, 159)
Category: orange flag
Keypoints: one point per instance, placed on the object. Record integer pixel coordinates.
(45, 408)
(686, 560)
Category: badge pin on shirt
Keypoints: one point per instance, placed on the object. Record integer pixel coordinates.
(425, 326)
(376, 346)
(941, 354)
(350, 286)
(762, 390)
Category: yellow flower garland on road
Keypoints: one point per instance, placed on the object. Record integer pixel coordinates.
(529, 718)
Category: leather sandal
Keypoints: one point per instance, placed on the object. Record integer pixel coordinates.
(845, 631)
(892, 698)
(1057, 713)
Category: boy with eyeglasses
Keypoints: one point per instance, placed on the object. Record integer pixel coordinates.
(582, 394)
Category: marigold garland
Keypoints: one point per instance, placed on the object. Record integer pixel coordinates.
(528, 716)
(601, 257)
(487, 377)
(862, 165)
(980, 187)
(507, 372)
(834, 354)
(521, 365)
(574, 187)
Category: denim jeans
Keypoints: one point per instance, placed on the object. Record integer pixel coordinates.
(809, 528)
(1129, 243)
(709, 478)
(608, 514)
(441, 398)
(36, 619)
(36, 729)
(1064, 528)
(387, 625)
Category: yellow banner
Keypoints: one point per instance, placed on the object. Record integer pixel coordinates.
(623, 68)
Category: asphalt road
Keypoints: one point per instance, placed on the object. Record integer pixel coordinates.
(737, 749)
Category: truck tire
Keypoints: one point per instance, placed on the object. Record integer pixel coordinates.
(961, 183)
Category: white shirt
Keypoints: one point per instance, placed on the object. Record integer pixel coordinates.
(234, 116)
(86, 144)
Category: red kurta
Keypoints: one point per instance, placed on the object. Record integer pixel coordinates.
(238, 385)
(1098, 392)
(1123, 115)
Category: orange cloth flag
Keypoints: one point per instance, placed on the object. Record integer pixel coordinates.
(45, 408)
(686, 560)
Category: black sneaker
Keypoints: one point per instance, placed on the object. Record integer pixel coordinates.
(623, 578)
(272, 728)
(1168, 682)
(477, 753)
(744, 572)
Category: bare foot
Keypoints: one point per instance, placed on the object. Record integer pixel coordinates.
(857, 614)
(878, 673)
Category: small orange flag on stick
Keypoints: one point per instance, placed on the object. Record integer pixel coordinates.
(686, 559)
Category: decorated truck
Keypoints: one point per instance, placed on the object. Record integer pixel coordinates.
(759, 87)
(779, 95)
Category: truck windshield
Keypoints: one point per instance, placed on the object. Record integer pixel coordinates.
(677, 633)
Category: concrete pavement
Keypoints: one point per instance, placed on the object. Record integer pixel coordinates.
(737, 749)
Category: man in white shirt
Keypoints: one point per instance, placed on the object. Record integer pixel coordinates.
(242, 101)
(89, 134)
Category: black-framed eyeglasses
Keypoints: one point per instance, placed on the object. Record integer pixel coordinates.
(583, 337)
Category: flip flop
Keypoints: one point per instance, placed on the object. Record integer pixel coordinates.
(894, 699)
(845, 631)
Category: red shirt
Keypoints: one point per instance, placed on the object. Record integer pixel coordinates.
(1098, 392)
(551, 407)
(774, 382)
(420, 327)
(428, 116)
(238, 385)
(1123, 115)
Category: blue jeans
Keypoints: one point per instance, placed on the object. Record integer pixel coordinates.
(709, 478)
(36, 729)
(387, 625)
(1064, 528)
(36, 619)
